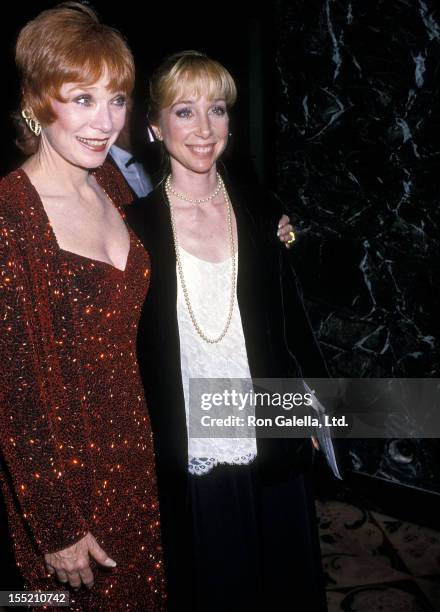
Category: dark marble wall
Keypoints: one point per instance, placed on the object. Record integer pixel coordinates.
(358, 156)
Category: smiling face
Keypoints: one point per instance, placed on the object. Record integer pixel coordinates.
(86, 124)
(194, 131)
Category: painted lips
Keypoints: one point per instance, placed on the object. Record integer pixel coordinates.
(93, 144)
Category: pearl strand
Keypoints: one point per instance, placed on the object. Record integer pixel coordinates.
(197, 327)
(186, 198)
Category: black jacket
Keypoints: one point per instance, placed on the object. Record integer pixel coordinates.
(279, 343)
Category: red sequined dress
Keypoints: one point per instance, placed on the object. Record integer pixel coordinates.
(77, 452)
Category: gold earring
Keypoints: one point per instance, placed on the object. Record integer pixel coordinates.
(33, 124)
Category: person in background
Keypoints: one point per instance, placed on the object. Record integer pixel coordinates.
(238, 519)
(78, 468)
(122, 155)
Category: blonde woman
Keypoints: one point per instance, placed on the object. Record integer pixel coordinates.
(239, 527)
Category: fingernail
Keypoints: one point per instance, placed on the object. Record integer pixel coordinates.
(109, 562)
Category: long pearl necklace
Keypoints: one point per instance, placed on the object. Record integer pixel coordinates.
(184, 197)
(197, 327)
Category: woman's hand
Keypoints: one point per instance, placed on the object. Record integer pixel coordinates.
(72, 565)
(285, 231)
(315, 443)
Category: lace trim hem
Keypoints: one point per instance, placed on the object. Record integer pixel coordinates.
(199, 466)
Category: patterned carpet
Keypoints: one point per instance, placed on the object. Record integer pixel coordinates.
(376, 563)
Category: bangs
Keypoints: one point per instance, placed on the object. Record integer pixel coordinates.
(196, 82)
(92, 62)
(189, 73)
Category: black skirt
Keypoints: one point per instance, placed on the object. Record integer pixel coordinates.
(255, 546)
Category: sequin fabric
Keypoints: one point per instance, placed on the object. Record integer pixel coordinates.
(75, 434)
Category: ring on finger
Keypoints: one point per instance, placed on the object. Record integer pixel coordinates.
(292, 237)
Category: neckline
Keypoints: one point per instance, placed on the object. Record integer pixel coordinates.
(46, 219)
(205, 261)
(100, 262)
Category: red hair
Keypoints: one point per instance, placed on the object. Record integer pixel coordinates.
(67, 44)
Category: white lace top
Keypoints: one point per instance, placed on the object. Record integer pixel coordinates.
(208, 286)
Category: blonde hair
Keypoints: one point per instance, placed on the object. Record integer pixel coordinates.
(61, 45)
(189, 72)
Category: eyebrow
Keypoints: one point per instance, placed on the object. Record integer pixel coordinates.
(81, 87)
(91, 88)
(182, 102)
(194, 100)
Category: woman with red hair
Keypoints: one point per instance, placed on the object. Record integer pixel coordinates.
(77, 469)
